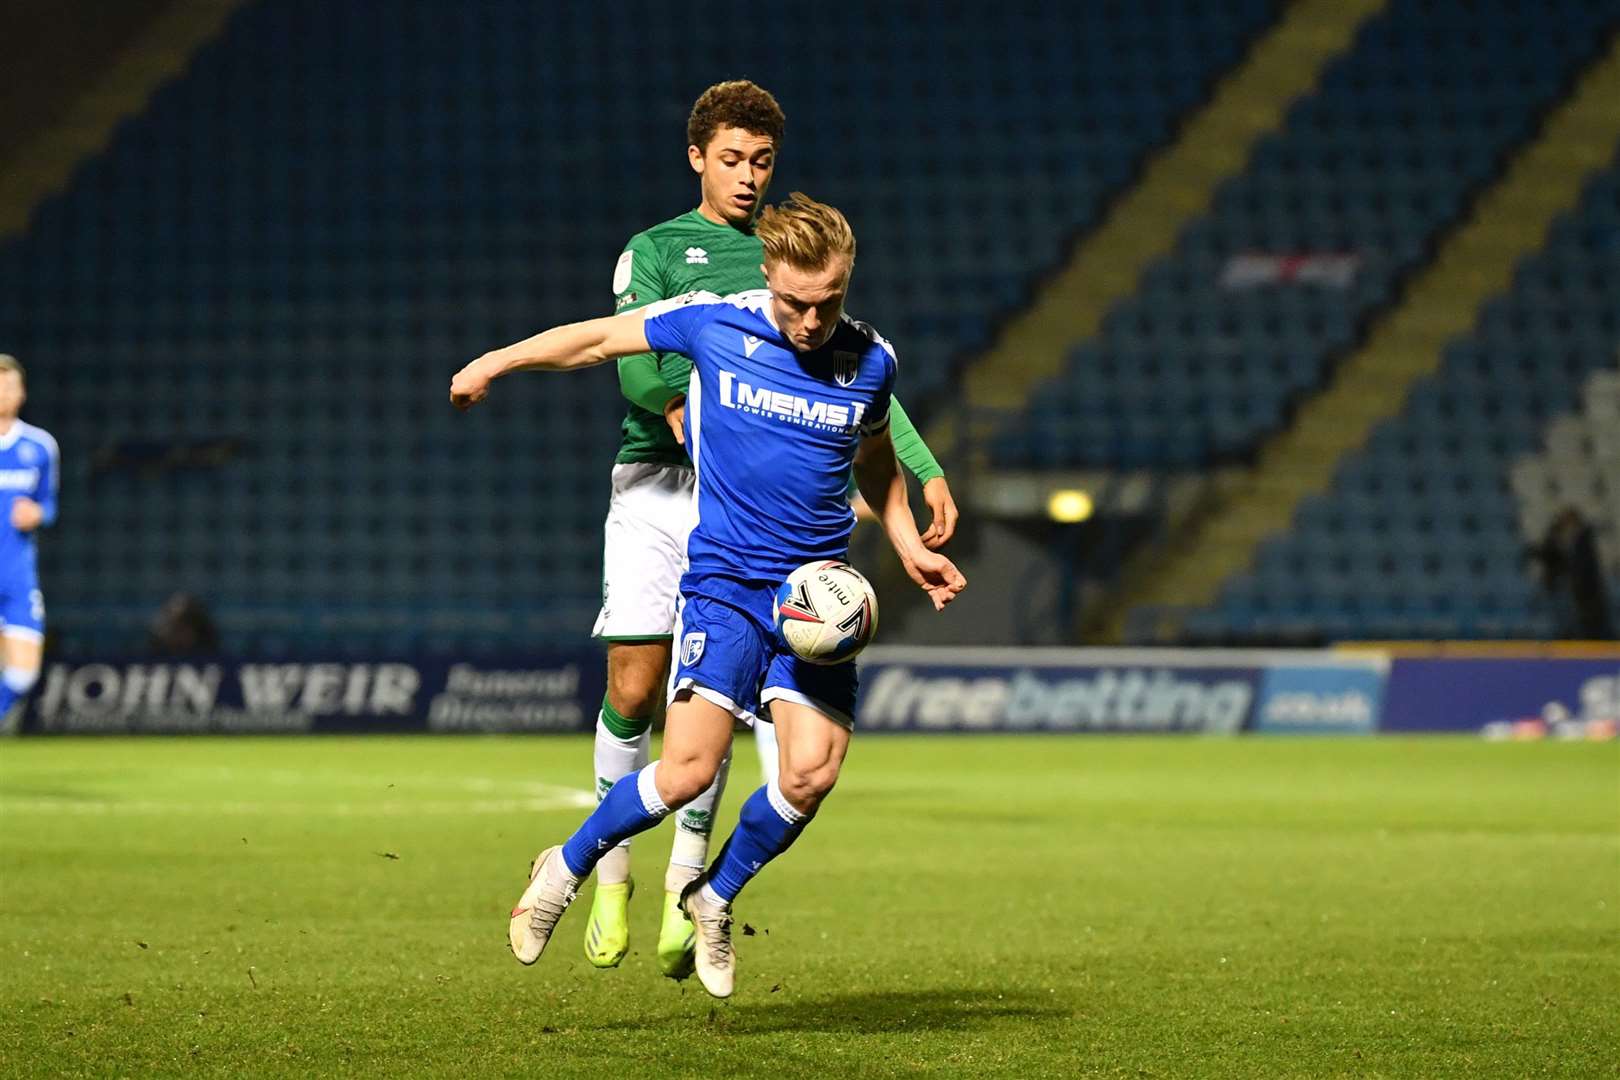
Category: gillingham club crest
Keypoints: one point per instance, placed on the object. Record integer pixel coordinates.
(692, 648)
(846, 365)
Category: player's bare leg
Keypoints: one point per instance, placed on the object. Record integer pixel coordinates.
(636, 672)
(813, 747)
(23, 651)
(698, 736)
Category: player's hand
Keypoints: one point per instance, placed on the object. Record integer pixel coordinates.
(937, 576)
(675, 417)
(26, 514)
(469, 387)
(937, 494)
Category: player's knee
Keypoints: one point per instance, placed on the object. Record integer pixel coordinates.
(806, 786)
(683, 786)
(634, 692)
(681, 780)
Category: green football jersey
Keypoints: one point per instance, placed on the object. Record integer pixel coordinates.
(682, 255)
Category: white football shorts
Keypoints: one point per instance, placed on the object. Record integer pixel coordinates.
(644, 550)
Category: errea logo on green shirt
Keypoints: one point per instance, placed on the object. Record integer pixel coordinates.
(685, 253)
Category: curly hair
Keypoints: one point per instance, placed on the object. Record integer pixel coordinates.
(804, 233)
(737, 104)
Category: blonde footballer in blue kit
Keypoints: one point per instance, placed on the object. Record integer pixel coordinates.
(734, 134)
(787, 395)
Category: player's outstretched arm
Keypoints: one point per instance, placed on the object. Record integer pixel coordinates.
(581, 344)
(883, 486)
(920, 461)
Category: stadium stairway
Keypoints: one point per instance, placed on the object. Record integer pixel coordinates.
(1177, 184)
(1371, 384)
(1430, 530)
(153, 54)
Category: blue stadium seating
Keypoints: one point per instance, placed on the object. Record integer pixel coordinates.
(1381, 159)
(1421, 533)
(300, 239)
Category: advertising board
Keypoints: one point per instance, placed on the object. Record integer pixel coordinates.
(557, 692)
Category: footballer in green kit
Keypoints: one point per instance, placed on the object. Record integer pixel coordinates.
(734, 135)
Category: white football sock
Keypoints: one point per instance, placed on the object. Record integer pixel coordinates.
(694, 823)
(614, 867)
(616, 758)
(765, 742)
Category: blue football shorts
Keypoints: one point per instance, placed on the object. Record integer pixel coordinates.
(727, 656)
(22, 607)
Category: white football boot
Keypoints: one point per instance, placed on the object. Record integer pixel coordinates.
(716, 961)
(551, 889)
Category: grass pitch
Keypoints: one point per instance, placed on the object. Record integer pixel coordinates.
(1021, 906)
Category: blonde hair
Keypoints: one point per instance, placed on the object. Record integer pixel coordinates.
(11, 363)
(804, 233)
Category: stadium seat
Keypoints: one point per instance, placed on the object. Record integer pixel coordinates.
(1375, 164)
(1444, 501)
(305, 233)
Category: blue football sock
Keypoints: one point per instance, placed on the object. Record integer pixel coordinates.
(767, 827)
(632, 805)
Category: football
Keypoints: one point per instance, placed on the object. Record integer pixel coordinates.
(826, 612)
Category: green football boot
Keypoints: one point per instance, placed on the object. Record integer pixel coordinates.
(677, 943)
(607, 935)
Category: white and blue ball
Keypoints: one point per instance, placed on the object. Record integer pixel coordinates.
(826, 612)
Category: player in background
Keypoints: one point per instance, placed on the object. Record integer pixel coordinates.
(787, 397)
(30, 471)
(734, 135)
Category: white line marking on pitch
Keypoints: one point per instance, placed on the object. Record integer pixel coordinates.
(329, 777)
(563, 799)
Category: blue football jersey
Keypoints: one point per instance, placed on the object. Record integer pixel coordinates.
(772, 432)
(29, 463)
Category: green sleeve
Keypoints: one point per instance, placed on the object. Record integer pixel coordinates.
(638, 280)
(641, 382)
(909, 446)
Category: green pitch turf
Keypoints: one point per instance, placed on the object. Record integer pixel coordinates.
(1021, 906)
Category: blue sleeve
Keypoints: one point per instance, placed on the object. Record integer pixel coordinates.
(877, 418)
(673, 325)
(49, 480)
